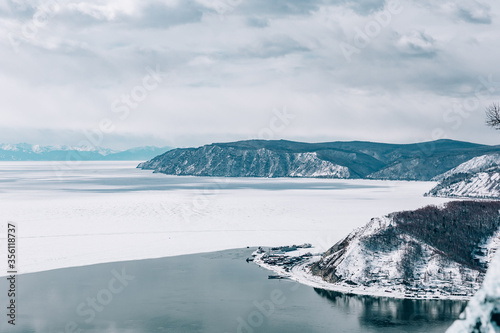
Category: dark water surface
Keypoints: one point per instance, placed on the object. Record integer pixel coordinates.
(216, 292)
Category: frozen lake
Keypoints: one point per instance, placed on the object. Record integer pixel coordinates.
(97, 212)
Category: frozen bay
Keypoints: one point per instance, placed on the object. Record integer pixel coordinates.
(97, 212)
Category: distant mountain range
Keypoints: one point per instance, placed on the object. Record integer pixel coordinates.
(29, 152)
(366, 160)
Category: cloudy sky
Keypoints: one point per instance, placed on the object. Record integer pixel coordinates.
(121, 73)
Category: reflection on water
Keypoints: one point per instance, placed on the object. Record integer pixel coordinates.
(377, 312)
(204, 293)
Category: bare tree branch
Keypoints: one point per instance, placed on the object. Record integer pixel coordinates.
(493, 116)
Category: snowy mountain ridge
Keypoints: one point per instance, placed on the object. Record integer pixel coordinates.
(356, 159)
(31, 148)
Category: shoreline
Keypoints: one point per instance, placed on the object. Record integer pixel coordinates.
(299, 273)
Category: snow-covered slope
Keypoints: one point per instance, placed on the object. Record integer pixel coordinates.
(477, 178)
(484, 184)
(419, 253)
(474, 165)
(482, 314)
(309, 165)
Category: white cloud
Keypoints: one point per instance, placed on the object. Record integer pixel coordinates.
(228, 71)
(474, 12)
(105, 10)
(417, 43)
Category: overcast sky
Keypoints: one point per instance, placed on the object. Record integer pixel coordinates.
(121, 73)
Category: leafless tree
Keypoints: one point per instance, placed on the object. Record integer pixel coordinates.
(493, 116)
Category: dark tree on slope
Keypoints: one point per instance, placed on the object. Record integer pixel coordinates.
(493, 116)
(456, 230)
(411, 254)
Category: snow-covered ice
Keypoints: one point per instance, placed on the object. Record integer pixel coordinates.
(482, 314)
(96, 212)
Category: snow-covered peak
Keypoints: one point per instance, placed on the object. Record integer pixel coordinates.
(375, 225)
(38, 149)
(15, 147)
(35, 152)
